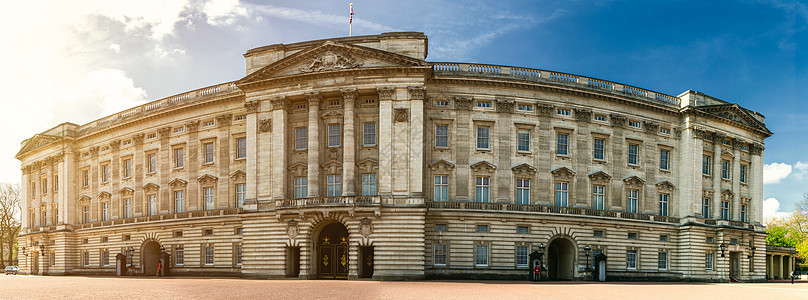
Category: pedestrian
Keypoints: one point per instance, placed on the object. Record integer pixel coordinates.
(536, 272)
(159, 268)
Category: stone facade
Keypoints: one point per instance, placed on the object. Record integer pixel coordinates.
(355, 157)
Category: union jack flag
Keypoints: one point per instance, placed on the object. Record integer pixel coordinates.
(350, 21)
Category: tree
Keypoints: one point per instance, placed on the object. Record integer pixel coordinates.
(10, 210)
(792, 230)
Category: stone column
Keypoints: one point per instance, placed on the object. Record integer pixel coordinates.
(416, 186)
(166, 159)
(115, 175)
(385, 177)
(67, 188)
(717, 137)
(616, 157)
(252, 158)
(314, 145)
(226, 156)
(689, 192)
(582, 158)
(735, 210)
(279, 148)
(193, 162)
(463, 142)
(755, 174)
(26, 198)
(349, 144)
(502, 157)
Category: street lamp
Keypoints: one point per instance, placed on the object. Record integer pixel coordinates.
(42, 250)
(162, 249)
(723, 246)
(751, 250)
(587, 250)
(541, 254)
(24, 252)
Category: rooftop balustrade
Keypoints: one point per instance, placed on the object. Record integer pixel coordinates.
(467, 69)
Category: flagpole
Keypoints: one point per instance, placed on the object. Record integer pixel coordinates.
(350, 22)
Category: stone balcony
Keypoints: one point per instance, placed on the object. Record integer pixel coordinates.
(549, 210)
(351, 204)
(143, 219)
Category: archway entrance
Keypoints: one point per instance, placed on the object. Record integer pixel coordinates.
(150, 257)
(560, 259)
(332, 252)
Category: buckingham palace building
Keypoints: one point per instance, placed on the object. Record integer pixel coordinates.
(355, 157)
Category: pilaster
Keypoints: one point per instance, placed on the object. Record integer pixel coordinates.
(385, 179)
(349, 144)
(278, 154)
(313, 145)
(416, 145)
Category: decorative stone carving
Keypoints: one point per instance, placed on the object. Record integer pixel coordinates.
(332, 167)
(115, 145)
(177, 183)
(417, 92)
(278, 103)
(103, 196)
(755, 149)
(583, 114)
(265, 125)
(224, 120)
(292, 229)
(84, 200)
(650, 127)
(349, 95)
(137, 139)
(385, 93)
(665, 186)
(151, 188)
(368, 165)
(617, 120)
(737, 144)
(707, 193)
(677, 131)
(401, 114)
(192, 126)
(634, 182)
(718, 136)
(207, 179)
(483, 166)
(365, 227)
(164, 132)
(252, 106)
(463, 103)
(544, 110)
(700, 133)
(504, 105)
(563, 173)
(238, 176)
(600, 177)
(331, 61)
(126, 191)
(314, 99)
(441, 165)
(93, 152)
(524, 170)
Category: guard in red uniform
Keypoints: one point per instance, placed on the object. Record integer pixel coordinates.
(537, 273)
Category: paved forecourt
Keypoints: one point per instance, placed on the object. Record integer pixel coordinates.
(75, 287)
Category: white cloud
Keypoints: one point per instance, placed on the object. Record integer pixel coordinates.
(224, 12)
(774, 172)
(800, 170)
(115, 47)
(111, 91)
(317, 17)
(771, 210)
(157, 17)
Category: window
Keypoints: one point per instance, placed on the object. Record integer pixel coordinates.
(440, 227)
(207, 232)
(664, 130)
(599, 149)
(301, 141)
(561, 191)
(105, 211)
(563, 112)
(53, 259)
(33, 188)
(241, 148)
(521, 256)
(705, 208)
(442, 136)
(239, 254)
(710, 240)
(522, 191)
(369, 134)
(179, 197)
(241, 194)
(440, 255)
(524, 107)
(663, 238)
(521, 229)
(85, 178)
(725, 169)
(105, 255)
(743, 212)
(724, 210)
(85, 214)
(85, 258)
(598, 196)
(300, 187)
(127, 168)
(631, 259)
(441, 188)
(664, 156)
(632, 199)
(178, 234)
(127, 208)
(105, 173)
(482, 228)
(55, 183)
(708, 261)
(482, 188)
(209, 255)
(44, 186)
(633, 151)
(152, 163)
(239, 231)
(484, 104)
(598, 233)
(662, 260)
(663, 204)
(523, 140)
(152, 201)
(209, 198)
(368, 184)
(179, 256)
(705, 164)
(333, 135)
(178, 158)
(600, 118)
(241, 117)
(481, 256)
(208, 153)
(441, 103)
(334, 186)
(632, 235)
(634, 124)
(482, 137)
(562, 140)
(743, 173)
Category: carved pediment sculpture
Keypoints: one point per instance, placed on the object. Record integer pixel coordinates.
(441, 165)
(634, 182)
(207, 179)
(151, 188)
(331, 61)
(84, 200)
(266, 125)
(298, 168)
(238, 176)
(368, 165)
(126, 191)
(177, 183)
(103, 196)
(483, 166)
(563, 173)
(705, 193)
(600, 177)
(665, 186)
(37, 141)
(332, 167)
(524, 170)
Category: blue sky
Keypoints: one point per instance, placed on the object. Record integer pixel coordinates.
(83, 60)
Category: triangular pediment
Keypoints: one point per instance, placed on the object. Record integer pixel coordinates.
(35, 142)
(563, 172)
(736, 114)
(634, 181)
(238, 176)
(151, 187)
(483, 166)
(126, 191)
(600, 176)
(330, 56)
(103, 196)
(441, 165)
(207, 179)
(524, 169)
(665, 185)
(332, 167)
(368, 165)
(177, 183)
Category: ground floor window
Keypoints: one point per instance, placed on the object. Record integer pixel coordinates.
(631, 259)
(662, 260)
(440, 255)
(708, 261)
(209, 255)
(239, 254)
(53, 259)
(521, 256)
(85, 258)
(105, 258)
(481, 256)
(179, 256)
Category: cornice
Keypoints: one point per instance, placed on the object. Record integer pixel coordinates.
(297, 78)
